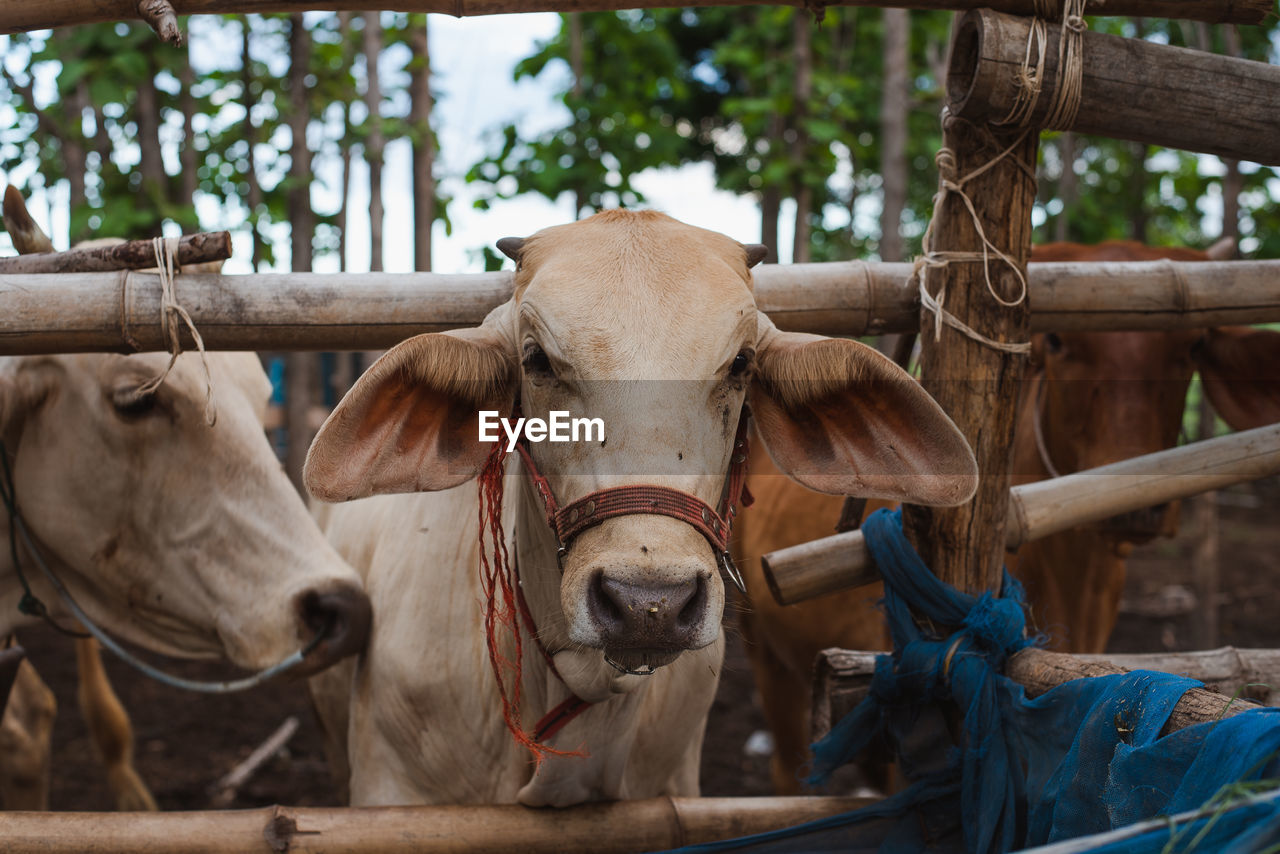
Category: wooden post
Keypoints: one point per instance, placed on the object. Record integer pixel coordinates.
(19, 15)
(976, 384)
(1130, 88)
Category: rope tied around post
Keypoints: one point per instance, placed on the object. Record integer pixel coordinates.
(931, 259)
(171, 312)
(1068, 87)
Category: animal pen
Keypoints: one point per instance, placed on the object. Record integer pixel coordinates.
(1016, 66)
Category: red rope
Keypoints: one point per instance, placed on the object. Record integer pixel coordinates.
(503, 607)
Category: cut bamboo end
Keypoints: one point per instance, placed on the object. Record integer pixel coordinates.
(1130, 88)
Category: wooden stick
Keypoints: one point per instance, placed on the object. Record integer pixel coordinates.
(88, 312)
(641, 825)
(1131, 89)
(224, 791)
(1038, 509)
(201, 248)
(842, 678)
(19, 15)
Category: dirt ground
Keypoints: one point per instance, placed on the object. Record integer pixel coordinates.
(187, 742)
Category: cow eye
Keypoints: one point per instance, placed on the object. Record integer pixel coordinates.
(130, 403)
(1052, 343)
(741, 363)
(535, 360)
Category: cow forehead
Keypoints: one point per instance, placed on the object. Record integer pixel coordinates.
(627, 286)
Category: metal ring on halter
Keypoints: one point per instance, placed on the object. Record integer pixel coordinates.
(731, 569)
(622, 668)
(160, 676)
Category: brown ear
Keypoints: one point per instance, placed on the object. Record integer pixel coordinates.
(24, 386)
(411, 423)
(841, 418)
(1240, 369)
(756, 252)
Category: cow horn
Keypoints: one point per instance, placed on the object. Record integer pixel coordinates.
(1223, 249)
(756, 252)
(27, 237)
(511, 247)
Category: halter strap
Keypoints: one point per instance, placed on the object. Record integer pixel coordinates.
(571, 520)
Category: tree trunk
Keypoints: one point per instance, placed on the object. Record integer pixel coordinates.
(1067, 188)
(800, 253)
(147, 115)
(344, 146)
(1233, 181)
(187, 156)
(250, 132)
(1138, 193)
(75, 162)
(576, 69)
(894, 105)
(374, 142)
(299, 367)
(770, 203)
(420, 106)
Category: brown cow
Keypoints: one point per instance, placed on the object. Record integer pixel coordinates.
(1100, 397)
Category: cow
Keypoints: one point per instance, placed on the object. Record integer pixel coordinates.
(651, 326)
(183, 538)
(1097, 397)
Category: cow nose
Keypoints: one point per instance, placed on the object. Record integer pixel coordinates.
(653, 616)
(342, 615)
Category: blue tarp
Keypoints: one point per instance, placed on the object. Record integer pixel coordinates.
(1081, 759)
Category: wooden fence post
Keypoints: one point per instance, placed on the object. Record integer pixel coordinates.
(976, 384)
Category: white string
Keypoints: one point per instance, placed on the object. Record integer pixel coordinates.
(171, 311)
(933, 260)
(1029, 78)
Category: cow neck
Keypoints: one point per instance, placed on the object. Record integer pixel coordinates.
(715, 524)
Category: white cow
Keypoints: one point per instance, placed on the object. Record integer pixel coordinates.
(650, 325)
(186, 539)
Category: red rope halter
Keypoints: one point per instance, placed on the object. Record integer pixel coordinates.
(505, 604)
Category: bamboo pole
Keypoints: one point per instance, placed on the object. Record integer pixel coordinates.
(1048, 506)
(119, 312)
(842, 678)
(1131, 89)
(621, 826)
(20, 15)
(201, 248)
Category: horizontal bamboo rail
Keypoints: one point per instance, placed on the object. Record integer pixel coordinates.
(1048, 506)
(119, 312)
(842, 678)
(201, 248)
(1130, 88)
(20, 15)
(653, 824)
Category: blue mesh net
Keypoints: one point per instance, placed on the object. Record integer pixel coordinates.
(1085, 758)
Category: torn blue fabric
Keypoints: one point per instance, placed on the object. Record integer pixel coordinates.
(1082, 759)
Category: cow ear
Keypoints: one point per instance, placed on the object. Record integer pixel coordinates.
(756, 252)
(1240, 369)
(23, 387)
(841, 418)
(411, 422)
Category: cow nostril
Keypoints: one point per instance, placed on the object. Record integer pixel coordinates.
(604, 604)
(342, 616)
(692, 612)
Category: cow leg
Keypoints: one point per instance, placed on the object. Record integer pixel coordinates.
(110, 730)
(785, 700)
(26, 733)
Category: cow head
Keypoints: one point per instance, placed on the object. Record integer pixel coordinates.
(1109, 396)
(184, 538)
(651, 326)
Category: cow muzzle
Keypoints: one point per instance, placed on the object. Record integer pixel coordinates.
(642, 626)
